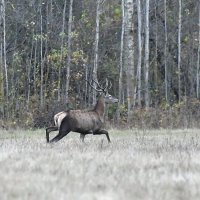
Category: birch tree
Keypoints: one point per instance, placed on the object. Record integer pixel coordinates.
(62, 46)
(165, 53)
(156, 47)
(47, 46)
(121, 63)
(3, 8)
(41, 58)
(29, 75)
(35, 65)
(146, 59)
(139, 64)
(198, 59)
(96, 47)
(179, 49)
(129, 53)
(69, 48)
(1, 57)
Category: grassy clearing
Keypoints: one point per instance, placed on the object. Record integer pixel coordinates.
(160, 164)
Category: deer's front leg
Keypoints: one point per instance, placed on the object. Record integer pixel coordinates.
(82, 135)
(100, 132)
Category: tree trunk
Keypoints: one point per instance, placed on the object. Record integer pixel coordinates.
(146, 61)
(139, 64)
(41, 59)
(4, 49)
(86, 86)
(29, 75)
(198, 60)
(96, 47)
(47, 47)
(121, 63)
(129, 53)
(165, 54)
(69, 49)
(1, 78)
(34, 67)
(156, 49)
(179, 49)
(61, 56)
(1, 63)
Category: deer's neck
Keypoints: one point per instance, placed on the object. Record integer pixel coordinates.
(100, 106)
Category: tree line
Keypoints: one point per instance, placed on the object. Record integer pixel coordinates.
(149, 50)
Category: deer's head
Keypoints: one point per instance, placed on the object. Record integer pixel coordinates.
(110, 99)
(103, 91)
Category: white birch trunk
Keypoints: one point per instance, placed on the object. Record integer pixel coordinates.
(96, 47)
(121, 64)
(4, 48)
(46, 53)
(156, 49)
(86, 85)
(198, 60)
(129, 53)
(41, 59)
(179, 49)
(1, 58)
(146, 61)
(34, 66)
(29, 75)
(139, 64)
(61, 57)
(1, 78)
(165, 54)
(69, 50)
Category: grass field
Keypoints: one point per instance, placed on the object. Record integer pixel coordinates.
(157, 165)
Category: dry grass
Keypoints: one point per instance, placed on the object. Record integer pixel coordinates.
(136, 165)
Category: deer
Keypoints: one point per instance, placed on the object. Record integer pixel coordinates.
(83, 121)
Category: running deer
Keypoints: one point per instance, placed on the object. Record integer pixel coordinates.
(83, 121)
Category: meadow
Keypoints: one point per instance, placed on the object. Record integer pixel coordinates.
(138, 164)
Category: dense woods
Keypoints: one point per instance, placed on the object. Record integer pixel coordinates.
(149, 50)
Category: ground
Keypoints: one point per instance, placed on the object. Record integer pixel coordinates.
(138, 164)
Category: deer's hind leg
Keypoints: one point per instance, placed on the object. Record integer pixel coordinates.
(100, 132)
(60, 135)
(63, 131)
(50, 129)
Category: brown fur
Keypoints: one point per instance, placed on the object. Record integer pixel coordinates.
(85, 122)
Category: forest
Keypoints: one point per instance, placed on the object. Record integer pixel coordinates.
(149, 50)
